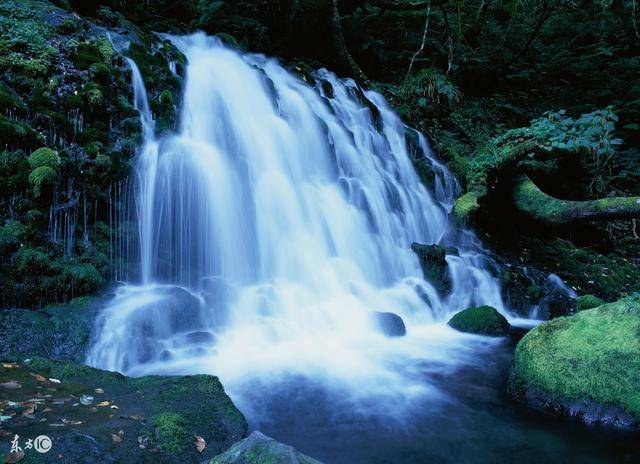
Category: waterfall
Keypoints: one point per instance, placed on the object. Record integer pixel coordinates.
(274, 223)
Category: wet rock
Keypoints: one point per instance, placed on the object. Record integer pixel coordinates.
(59, 331)
(389, 324)
(483, 320)
(132, 420)
(259, 449)
(434, 265)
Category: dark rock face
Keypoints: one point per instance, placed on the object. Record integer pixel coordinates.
(584, 409)
(129, 420)
(60, 332)
(390, 324)
(557, 303)
(483, 320)
(260, 449)
(434, 265)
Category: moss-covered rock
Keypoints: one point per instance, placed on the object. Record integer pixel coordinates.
(586, 365)
(466, 206)
(260, 449)
(58, 331)
(93, 415)
(483, 320)
(588, 302)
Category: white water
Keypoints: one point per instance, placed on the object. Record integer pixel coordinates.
(273, 223)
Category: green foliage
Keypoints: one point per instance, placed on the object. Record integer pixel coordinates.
(591, 133)
(430, 85)
(593, 355)
(483, 320)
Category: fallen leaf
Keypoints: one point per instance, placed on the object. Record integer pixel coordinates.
(9, 366)
(11, 385)
(28, 412)
(41, 378)
(199, 443)
(103, 403)
(70, 422)
(116, 438)
(99, 390)
(13, 457)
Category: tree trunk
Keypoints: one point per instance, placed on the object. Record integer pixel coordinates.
(536, 204)
(343, 57)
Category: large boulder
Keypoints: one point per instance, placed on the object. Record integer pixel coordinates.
(260, 449)
(99, 416)
(585, 366)
(434, 265)
(389, 324)
(483, 320)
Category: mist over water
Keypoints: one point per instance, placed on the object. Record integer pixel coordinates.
(273, 224)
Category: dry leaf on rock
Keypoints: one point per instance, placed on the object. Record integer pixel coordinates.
(199, 443)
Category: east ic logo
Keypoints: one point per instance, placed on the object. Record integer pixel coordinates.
(42, 444)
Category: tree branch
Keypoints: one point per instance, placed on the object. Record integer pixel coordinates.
(424, 39)
(536, 204)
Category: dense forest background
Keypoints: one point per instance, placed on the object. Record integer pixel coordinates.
(526, 101)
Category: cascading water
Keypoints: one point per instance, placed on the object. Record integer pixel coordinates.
(273, 224)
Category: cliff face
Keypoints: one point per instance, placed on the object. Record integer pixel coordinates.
(68, 133)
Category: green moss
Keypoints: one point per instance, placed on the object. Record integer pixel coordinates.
(260, 449)
(465, 206)
(86, 54)
(170, 432)
(68, 371)
(593, 355)
(105, 50)
(69, 26)
(588, 302)
(483, 320)
(607, 275)
(40, 177)
(44, 157)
